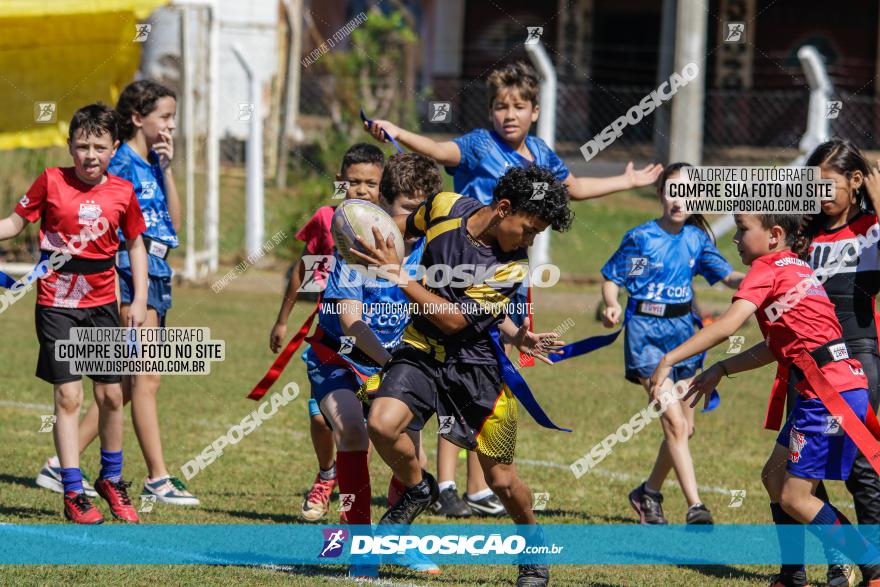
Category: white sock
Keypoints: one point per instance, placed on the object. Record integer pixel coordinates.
(329, 473)
(480, 494)
(54, 462)
(444, 484)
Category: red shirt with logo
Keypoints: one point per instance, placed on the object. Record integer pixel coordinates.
(795, 315)
(68, 207)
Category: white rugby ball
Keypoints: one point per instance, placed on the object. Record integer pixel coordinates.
(357, 218)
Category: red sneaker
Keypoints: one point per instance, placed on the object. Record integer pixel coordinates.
(317, 502)
(78, 508)
(117, 497)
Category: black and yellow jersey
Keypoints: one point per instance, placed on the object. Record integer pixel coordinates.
(478, 278)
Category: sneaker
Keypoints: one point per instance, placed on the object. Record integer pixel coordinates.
(533, 576)
(698, 514)
(414, 501)
(50, 478)
(450, 505)
(317, 502)
(78, 508)
(116, 495)
(488, 506)
(796, 579)
(841, 576)
(648, 507)
(414, 561)
(169, 490)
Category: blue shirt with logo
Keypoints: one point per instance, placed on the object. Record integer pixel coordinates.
(149, 185)
(655, 265)
(384, 305)
(485, 157)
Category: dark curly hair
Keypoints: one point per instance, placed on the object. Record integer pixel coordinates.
(410, 173)
(94, 119)
(794, 226)
(518, 187)
(141, 97)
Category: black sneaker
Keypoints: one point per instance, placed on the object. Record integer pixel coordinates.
(841, 576)
(796, 579)
(414, 501)
(699, 514)
(533, 576)
(450, 505)
(488, 506)
(648, 507)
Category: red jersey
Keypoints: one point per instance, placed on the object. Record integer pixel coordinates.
(795, 315)
(318, 238)
(68, 207)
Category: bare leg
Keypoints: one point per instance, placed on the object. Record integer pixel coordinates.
(476, 481)
(108, 397)
(510, 489)
(68, 400)
(322, 441)
(388, 420)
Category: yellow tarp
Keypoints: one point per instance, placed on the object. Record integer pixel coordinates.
(64, 52)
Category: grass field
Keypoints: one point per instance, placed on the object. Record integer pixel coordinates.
(262, 479)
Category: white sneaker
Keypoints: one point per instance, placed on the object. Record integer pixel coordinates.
(50, 478)
(169, 490)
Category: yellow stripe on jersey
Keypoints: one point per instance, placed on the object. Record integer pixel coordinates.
(426, 344)
(442, 227)
(441, 205)
(488, 295)
(419, 219)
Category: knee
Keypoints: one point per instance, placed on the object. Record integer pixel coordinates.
(109, 397)
(502, 486)
(381, 429)
(351, 436)
(68, 399)
(788, 499)
(676, 427)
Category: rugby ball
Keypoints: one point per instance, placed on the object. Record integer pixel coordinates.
(355, 218)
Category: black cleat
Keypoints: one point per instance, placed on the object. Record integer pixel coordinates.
(699, 514)
(533, 576)
(450, 505)
(414, 501)
(649, 507)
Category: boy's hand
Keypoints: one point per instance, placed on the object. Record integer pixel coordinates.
(383, 254)
(378, 126)
(536, 344)
(644, 176)
(165, 150)
(611, 315)
(137, 313)
(276, 338)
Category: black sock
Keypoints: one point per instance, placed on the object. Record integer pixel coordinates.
(790, 547)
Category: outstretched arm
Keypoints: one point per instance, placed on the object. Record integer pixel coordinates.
(11, 226)
(586, 188)
(446, 153)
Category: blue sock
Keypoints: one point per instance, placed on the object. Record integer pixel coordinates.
(791, 546)
(843, 536)
(111, 465)
(72, 479)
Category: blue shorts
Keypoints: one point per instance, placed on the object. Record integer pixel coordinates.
(818, 447)
(647, 339)
(158, 293)
(326, 378)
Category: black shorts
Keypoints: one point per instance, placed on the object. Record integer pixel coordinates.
(475, 411)
(55, 324)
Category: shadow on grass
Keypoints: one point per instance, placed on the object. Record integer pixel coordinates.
(277, 518)
(23, 481)
(22, 512)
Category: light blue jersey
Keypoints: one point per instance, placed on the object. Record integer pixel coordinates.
(385, 307)
(149, 186)
(485, 158)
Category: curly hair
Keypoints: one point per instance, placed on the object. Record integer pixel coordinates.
(519, 76)
(141, 97)
(94, 119)
(794, 226)
(409, 173)
(518, 186)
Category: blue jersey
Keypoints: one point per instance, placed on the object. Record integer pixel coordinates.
(655, 265)
(149, 186)
(384, 306)
(485, 157)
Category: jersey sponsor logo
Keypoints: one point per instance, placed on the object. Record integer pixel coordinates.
(89, 212)
(796, 443)
(660, 290)
(25, 200)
